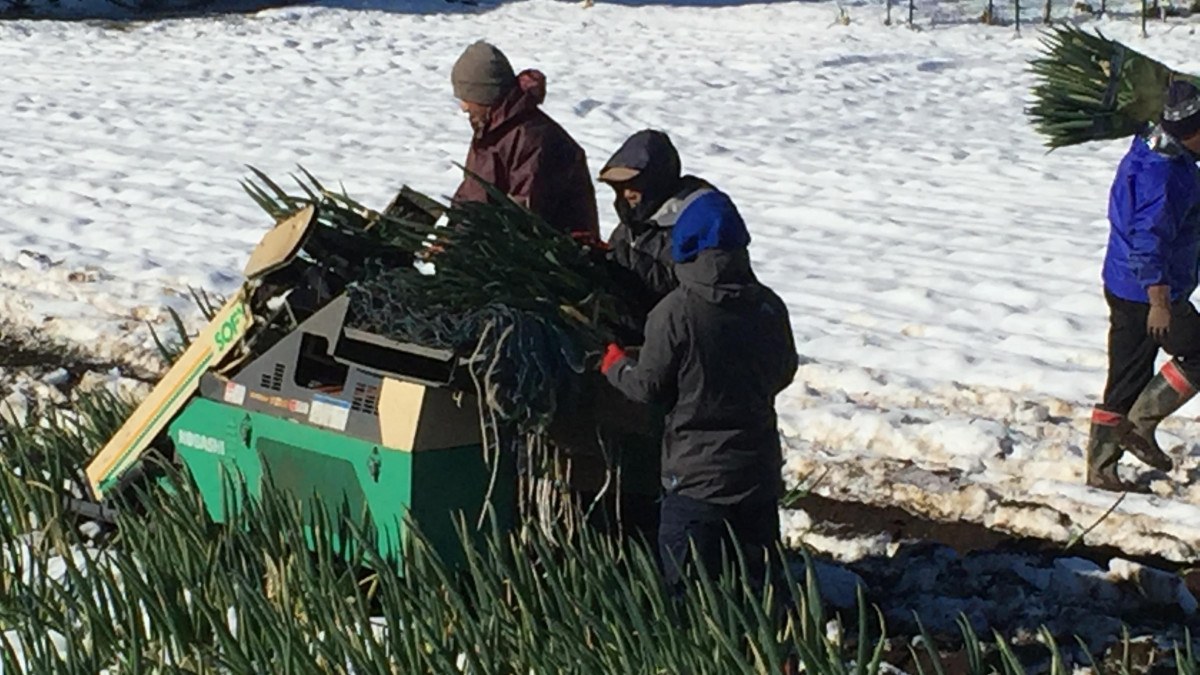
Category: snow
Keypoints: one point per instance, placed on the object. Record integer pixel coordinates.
(941, 268)
(1011, 590)
(14, 409)
(13, 639)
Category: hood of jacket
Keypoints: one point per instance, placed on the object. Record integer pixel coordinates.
(1162, 145)
(517, 104)
(710, 221)
(687, 190)
(719, 277)
(658, 165)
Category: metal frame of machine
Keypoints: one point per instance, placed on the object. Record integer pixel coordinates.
(329, 413)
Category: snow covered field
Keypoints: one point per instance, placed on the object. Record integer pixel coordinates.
(942, 270)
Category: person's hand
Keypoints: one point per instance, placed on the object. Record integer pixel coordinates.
(612, 356)
(589, 240)
(429, 251)
(595, 248)
(1158, 322)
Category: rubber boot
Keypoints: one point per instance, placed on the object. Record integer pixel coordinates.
(1104, 450)
(1169, 390)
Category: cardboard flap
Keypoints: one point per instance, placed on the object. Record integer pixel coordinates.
(415, 418)
(279, 246)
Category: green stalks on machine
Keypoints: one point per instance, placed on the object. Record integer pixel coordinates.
(342, 373)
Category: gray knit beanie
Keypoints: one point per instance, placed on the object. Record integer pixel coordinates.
(482, 75)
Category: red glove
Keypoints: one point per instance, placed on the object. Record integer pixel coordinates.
(431, 250)
(591, 240)
(611, 356)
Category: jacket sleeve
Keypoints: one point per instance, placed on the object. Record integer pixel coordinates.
(656, 370)
(653, 268)
(631, 284)
(655, 271)
(1153, 226)
(620, 237)
(471, 190)
(528, 178)
(789, 360)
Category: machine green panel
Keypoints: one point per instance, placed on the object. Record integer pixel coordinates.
(218, 442)
(304, 475)
(450, 486)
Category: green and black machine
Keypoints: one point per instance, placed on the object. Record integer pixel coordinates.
(327, 412)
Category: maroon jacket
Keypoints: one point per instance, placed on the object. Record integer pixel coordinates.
(533, 160)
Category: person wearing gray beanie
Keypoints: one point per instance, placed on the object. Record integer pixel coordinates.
(517, 147)
(482, 75)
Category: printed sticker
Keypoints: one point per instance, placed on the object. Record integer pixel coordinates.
(235, 393)
(326, 411)
(201, 442)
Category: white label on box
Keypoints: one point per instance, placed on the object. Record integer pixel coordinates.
(208, 444)
(235, 393)
(329, 412)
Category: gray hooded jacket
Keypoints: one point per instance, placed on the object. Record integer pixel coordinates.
(718, 349)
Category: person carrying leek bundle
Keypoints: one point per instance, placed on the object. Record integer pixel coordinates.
(1150, 271)
(717, 351)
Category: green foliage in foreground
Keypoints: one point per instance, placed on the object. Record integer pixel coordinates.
(173, 592)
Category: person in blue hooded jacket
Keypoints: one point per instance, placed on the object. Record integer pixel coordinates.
(1150, 271)
(718, 349)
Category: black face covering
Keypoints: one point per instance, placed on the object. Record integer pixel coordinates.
(656, 189)
(655, 159)
(625, 212)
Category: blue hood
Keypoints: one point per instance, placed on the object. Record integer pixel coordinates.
(710, 222)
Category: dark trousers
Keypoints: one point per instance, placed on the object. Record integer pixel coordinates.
(713, 529)
(624, 513)
(1131, 350)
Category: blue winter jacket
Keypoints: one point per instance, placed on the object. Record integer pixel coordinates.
(1154, 213)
